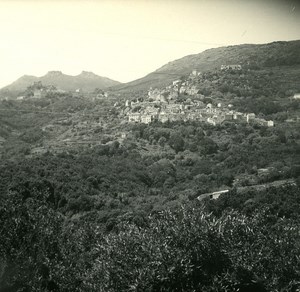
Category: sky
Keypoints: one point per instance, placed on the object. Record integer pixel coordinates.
(126, 40)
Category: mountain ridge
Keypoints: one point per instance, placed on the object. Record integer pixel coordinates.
(276, 53)
(86, 81)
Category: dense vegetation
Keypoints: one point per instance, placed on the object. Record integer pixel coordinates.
(156, 166)
(124, 217)
(122, 214)
(183, 250)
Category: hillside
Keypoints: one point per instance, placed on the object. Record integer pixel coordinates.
(248, 55)
(86, 81)
(98, 192)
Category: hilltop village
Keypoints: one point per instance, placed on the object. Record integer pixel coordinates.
(182, 101)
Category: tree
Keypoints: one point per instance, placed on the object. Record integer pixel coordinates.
(162, 141)
(176, 142)
(29, 242)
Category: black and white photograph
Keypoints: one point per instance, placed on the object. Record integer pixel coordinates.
(150, 146)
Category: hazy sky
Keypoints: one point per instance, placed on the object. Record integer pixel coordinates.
(125, 40)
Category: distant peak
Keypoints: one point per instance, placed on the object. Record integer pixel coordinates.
(54, 73)
(87, 74)
(27, 76)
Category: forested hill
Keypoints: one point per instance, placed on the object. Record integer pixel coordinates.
(248, 55)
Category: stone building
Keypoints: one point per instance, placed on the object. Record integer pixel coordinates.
(146, 119)
(134, 117)
(231, 67)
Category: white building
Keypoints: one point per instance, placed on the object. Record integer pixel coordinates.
(232, 67)
(146, 119)
(194, 73)
(250, 117)
(163, 117)
(134, 117)
(297, 96)
(211, 121)
(176, 82)
(214, 195)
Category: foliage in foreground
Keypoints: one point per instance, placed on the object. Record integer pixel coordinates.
(184, 250)
(191, 250)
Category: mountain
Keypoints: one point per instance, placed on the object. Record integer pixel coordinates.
(260, 56)
(86, 81)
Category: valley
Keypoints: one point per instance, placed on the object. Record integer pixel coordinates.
(156, 180)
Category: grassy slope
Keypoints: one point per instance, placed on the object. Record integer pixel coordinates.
(266, 55)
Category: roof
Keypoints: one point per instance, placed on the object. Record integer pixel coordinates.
(202, 196)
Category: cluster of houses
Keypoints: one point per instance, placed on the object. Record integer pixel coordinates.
(231, 67)
(193, 110)
(42, 92)
(38, 90)
(162, 105)
(177, 87)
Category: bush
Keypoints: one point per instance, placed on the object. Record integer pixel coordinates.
(190, 250)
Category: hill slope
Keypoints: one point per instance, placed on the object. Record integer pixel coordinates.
(255, 56)
(86, 81)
